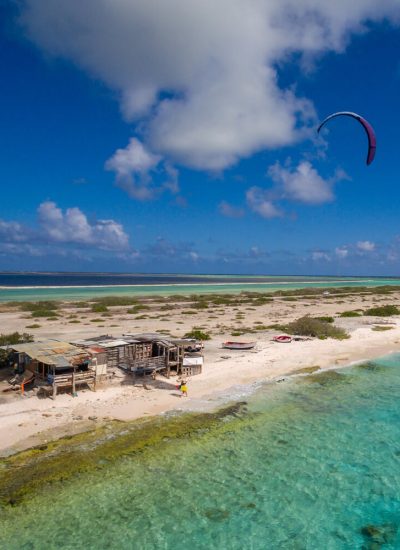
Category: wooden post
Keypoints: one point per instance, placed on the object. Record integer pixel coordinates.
(54, 388)
(167, 362)
(73, 382)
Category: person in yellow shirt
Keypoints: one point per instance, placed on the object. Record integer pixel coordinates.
(183, 388)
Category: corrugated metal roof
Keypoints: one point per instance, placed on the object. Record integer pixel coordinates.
(146, 336)
(96, 349)
(53, 352)
(114, 344)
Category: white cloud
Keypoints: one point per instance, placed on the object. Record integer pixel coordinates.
(72, 226)
(341, 252)
(366, 246)
(302, 183)
(230, 211)
(194, 256)
(12, 232)
(132, 166)
(200, 78)
(258, 201)
(133, 159)
(317, 256)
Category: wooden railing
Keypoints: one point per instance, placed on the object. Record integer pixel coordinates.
(72, 380)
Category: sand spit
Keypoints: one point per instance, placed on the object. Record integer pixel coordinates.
(27, 420)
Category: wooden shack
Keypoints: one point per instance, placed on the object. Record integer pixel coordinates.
(56, 364)
(139, 353)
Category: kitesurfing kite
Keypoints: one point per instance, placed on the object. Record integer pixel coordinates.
(367, 127)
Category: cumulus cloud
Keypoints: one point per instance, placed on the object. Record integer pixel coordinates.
(230, 211)
(302, 184)
(12, 232)
(258, 201)
(342, 252)
(163, 248)
(366, 246)
(200, 80)
(132, 166)
(70, 227)
(73, 226)
(252, 255)
(318, 255)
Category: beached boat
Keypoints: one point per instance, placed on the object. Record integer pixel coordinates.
(283, 339)
(238, 345)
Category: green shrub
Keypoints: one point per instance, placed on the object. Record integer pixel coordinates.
(326, 318)
(48, 313)
(276, 326)
(222, 300)
(382, 311)
(33, 326)
(15, 338)
(350, 314)
(380, 328)
(116, 300)
(39, 306)
(201, 304)
(261, 301)
(197, 334)
(309, 326)
(138, 308)
(99, 308)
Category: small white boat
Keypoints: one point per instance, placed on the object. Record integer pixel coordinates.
(238, 345)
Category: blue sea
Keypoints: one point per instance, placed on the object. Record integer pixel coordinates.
(76, 286)
(313, 463)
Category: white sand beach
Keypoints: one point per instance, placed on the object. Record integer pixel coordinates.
(26, 420)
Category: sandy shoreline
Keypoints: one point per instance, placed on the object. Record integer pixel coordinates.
(27, 420)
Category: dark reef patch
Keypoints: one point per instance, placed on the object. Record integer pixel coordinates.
(30, 471)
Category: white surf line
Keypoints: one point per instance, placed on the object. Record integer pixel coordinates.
(152, 285)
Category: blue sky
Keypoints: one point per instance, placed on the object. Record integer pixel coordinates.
(185, 141)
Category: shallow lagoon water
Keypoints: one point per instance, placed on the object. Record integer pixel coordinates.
(65, 286)
(311, 463)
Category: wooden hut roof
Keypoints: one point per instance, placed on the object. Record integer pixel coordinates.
(53, 352)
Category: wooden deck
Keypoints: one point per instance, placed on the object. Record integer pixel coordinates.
(72, 380)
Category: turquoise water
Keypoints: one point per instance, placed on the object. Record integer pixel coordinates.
(276, 283)
(314, 463)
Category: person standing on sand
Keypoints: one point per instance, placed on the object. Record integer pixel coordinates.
(183, 388)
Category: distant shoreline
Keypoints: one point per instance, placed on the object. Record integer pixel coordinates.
(33, 287)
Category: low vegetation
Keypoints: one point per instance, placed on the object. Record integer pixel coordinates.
(382, 311)
(350, 314)
(309, 326)
(198, 334)
(116, 300)
(45, 308)
(9, 340)
(137, 308)
(99, 308)
(326, 319)
(15, 338)
(48, 313)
